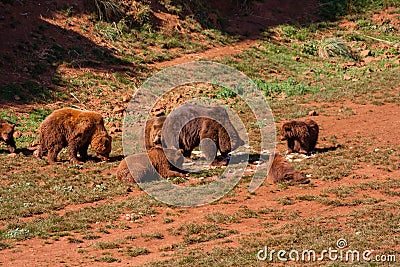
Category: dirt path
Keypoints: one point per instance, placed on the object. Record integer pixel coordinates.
(213, 53)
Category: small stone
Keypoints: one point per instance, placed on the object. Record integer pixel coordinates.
(12, 155)
(126, 98)
(115, 130)
(376, 149)
(308, 72)
(296, 58)
(312, 113)
(368, 60)
(29, 134)
(35, 143)
(346, 77)
(17, 97)
(17, 135)
(118, 110)
(365, 53)
(322, 89)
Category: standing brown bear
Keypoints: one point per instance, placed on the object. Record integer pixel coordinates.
(75, 129)
(281, 171)
(146, 170)
(6, 132)
(189, 125)
(301, 136)
(153, 131)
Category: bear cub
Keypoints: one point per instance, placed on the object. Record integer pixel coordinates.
(6, 134)
(281, 171)
(301, 136)
(145, 170)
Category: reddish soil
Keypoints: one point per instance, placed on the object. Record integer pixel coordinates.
(213, 53)
(368, 121)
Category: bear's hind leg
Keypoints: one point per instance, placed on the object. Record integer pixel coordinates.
(53, 152)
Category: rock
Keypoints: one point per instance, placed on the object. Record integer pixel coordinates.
(17, 97)
(308, 72)
(126, 98)
(118, 110)
(348, 64)
(115, 130)
(322, 89)
(365, 53)
(312, 113)
(12, 155)
(346, 77)
(29, 134)
(35, 143)
(296, 58)
(368, 60)
(17, 135)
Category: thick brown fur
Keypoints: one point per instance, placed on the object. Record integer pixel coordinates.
(75, 129)
(143, 170)
(301, 136)
(200, 129)
(189, 124)
(281, 171)
(153, 131)
(6, 134)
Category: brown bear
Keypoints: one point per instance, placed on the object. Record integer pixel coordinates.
(200, 129)
(75, 129)
(6, 132)
(301, 136)
(153, 131)
(189, 125)
(281, 171)
(146, 170)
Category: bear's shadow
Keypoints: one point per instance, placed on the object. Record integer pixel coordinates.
(24, 151)
(327, 149)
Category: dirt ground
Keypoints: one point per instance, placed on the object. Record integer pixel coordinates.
(371, 121)
(377, 123)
